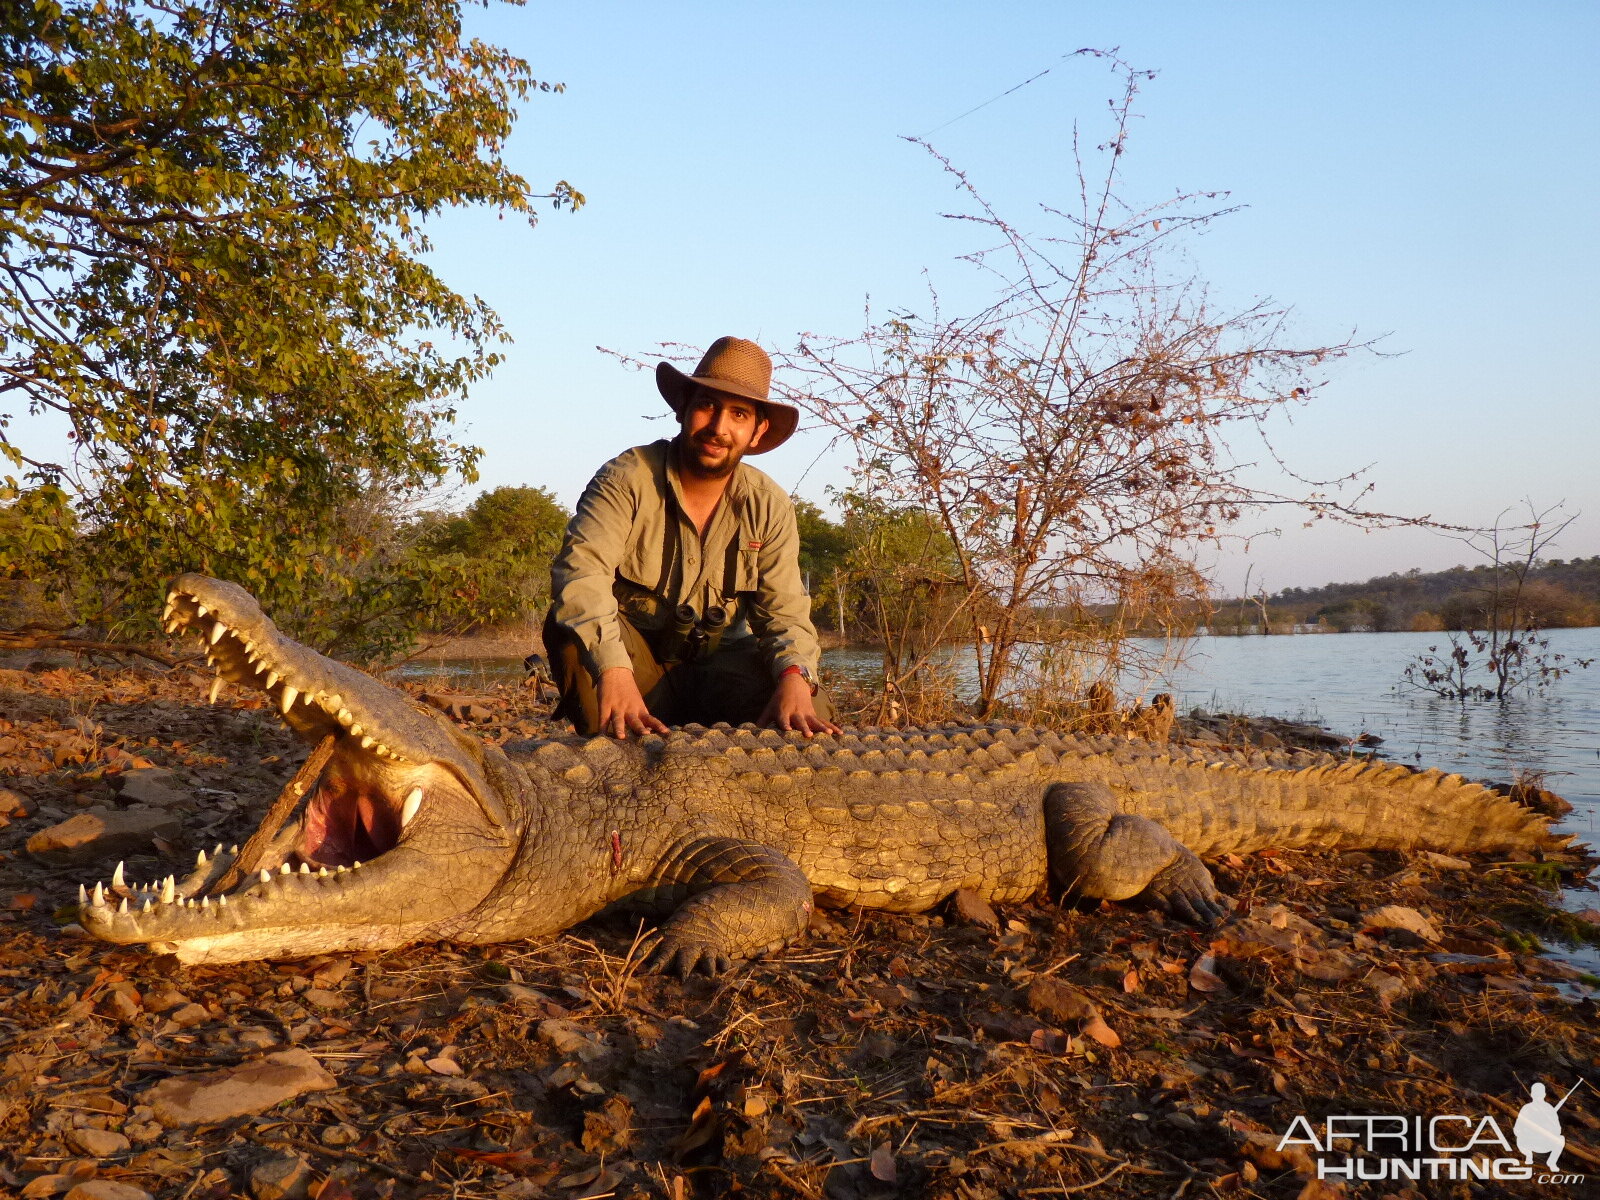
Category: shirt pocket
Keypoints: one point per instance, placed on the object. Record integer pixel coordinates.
(746, 572)
(641, 565)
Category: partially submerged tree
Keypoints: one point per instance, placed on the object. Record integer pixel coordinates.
(1075, 438)
(1497, 646)
(211, 268)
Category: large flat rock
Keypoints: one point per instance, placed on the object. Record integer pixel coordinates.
(103, 833)
(237, 1091)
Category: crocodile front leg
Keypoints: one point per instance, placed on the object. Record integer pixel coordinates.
(1097, 850)
(742, 897)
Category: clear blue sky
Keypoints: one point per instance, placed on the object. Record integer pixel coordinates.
(1426, 171)
(1423, 170)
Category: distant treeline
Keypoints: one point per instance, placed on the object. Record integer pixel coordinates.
(1555, 593)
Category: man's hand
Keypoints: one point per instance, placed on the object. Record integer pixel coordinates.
(791, 708)
(622, 707)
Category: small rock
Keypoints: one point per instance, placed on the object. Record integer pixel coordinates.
(237, 1091)
(281, 1177)
(107, 1189)
(443, 1066)
(322, 998)
(1389, 988)
(155, 786)
(1444, 862)
(97, 1143)
(341, 1135)
(164, 1001)
(15, 804)
(1397, 916)
(187, 1016)
(47, 1185)
(102, 833)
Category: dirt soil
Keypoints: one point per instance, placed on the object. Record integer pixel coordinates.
(1038, 1051)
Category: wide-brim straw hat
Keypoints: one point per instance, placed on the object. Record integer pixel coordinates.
(734, 367)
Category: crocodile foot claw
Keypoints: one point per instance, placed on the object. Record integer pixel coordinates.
(669, 956)
(1185, 890)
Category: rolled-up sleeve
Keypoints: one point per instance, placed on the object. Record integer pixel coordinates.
(582, 574)
(780, 613)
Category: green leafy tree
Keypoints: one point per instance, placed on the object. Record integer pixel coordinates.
(491, 564)
(211, 267)
(824, 562)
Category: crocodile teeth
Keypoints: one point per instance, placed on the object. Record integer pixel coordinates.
(285, 869)
(368, 742)
(123, 907)
(200, 609)
(287, 698)
(355, 729)
(412, 806)
(265, 876)
(83, 894)
(217, 630)
(272, 678)
(173, 624)
(169, 890)
(99, 895)
(205, 901)
(346, 718)
(322, 872)
(305, 868)
(222, 901)
(118, 880)
(146, 907)
(200, 857)
(172, 602)
(216, 690)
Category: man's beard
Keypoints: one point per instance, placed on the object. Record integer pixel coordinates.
(689, 461)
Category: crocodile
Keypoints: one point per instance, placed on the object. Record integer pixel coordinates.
(417, 830)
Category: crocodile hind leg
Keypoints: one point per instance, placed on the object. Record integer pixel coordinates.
(1098, 851)
(742, 897)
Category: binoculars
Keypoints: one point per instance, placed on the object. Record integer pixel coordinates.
(690, 635)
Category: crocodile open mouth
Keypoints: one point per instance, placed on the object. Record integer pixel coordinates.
(368, 800)
(367, 795)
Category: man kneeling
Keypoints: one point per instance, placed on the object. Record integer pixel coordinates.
(677, 592)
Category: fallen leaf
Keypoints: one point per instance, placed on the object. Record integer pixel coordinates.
(882, 1164)
(1203, 975)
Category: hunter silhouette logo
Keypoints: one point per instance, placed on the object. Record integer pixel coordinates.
(1393, 1147)
(1538, 1126)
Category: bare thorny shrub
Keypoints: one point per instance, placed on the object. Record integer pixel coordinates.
(1075, 438)
(1505, 644)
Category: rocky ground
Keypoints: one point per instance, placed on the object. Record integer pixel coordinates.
(1037, 1051)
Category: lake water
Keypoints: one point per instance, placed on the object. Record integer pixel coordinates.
(1351, 682)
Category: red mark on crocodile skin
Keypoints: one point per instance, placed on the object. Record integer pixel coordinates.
(616, 851)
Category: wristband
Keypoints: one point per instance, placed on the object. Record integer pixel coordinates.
(803, 673)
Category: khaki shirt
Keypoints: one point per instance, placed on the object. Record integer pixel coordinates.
(630, 537)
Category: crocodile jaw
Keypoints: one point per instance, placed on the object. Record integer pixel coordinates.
(401, 834)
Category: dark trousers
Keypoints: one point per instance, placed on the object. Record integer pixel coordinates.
(733, 684)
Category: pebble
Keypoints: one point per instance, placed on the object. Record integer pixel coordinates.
(1398, 916)
(97, 1143)
(281, 1177)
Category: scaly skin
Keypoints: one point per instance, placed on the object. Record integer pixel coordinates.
(418, 831)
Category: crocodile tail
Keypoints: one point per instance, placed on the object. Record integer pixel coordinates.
(1215, 808)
